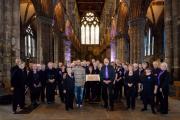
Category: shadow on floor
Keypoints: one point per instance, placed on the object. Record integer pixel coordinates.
(27, 109)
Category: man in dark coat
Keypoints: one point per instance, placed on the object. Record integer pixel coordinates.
(18, 77)
(107, 76)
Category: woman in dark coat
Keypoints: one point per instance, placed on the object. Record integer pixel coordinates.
(50, 83)
(68, 89)
(149, 89)
(130, 88)
(18, 79)
(163, 87)
(118, 83)
(35, 85)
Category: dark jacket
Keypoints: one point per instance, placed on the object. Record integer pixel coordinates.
(69, 83)
(164, 80)
(149, 83)
(111, 72)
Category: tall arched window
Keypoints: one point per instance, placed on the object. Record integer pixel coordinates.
(29, 42)
(149, 43)
(90, 29)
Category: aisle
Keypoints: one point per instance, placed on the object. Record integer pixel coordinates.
(90, 112)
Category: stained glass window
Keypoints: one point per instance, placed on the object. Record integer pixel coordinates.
(90, 29)
(29, 43)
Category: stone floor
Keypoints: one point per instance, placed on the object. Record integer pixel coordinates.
(90, 112)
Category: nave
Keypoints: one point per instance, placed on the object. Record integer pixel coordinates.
(91, 112)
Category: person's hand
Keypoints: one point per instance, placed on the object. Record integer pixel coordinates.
(106, 81)
(160, 89)
(129, 84)
(12, 88)
(51, 80)
(64, 76)
(155, 92)
(64, 91)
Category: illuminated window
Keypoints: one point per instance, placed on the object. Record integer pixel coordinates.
(149, 43)
(90, 29)
(29, 43)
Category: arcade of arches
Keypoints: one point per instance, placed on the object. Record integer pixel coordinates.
(50, 30)
(63, 30)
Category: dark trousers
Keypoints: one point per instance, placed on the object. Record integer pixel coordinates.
(107, 96)
(18, 98)
(50, 92)
(164, 103)
(148, 99)
(69, 98)
(35, 95)
(61, 94)
(131, 98)
(118, 90)
(43, 93)
(157, 100)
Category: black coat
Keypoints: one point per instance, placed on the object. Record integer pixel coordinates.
(18, 78)
(51, 74)
(148, 83)
(69, 84)
(42, 75)
(111, 72)
(34, 80)
(164, 80)
(59, 75)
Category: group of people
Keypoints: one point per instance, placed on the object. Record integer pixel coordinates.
(150, 82)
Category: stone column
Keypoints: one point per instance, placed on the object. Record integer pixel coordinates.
(168, 33)
(121, 49)
(176, 39)
(113, 49)
(56, 50)
(2, 36)
(44, 40)
(10, 34)
(136, 34)
(67, 51)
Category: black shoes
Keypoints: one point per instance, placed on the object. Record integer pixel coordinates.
(144, 109)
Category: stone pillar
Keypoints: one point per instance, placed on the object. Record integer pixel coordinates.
(67, 51)
(176, 39)
(121, 49)
(2, 36)
(136, 34)
(168, 33)
(113, 49)
(44, 40)
(56, 50)
(10, 36)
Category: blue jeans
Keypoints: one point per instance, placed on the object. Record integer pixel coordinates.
(79, 94)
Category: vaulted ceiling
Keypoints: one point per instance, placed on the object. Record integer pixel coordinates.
(95, 6)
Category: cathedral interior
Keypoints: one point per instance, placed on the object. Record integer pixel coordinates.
(132, 31)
